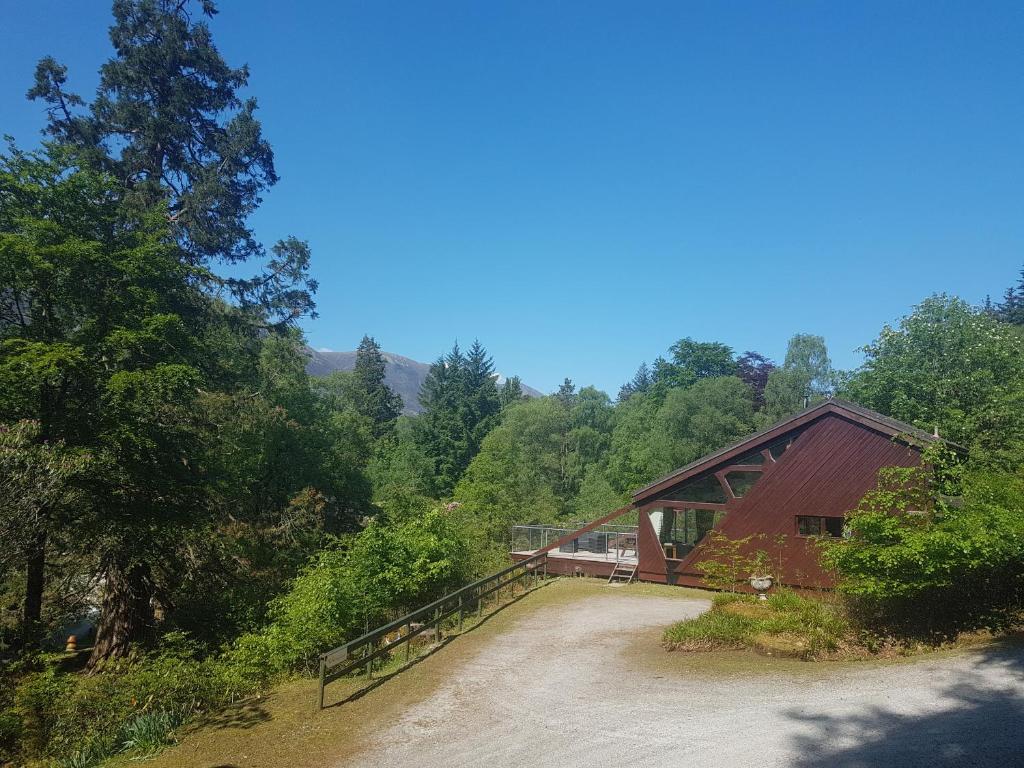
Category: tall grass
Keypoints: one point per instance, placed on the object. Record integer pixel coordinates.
(809, 627)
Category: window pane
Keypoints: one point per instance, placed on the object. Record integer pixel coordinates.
(809, 526)
(706, 489)
(741, 482)
(834, 526)
(754, 457)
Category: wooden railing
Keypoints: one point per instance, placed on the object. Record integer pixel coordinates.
(379, 642)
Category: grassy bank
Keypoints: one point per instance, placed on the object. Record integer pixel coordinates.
(791, 625)
(785, 624)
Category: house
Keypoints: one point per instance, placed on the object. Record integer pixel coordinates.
(786, 486)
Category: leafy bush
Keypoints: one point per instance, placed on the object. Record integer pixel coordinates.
(390, 568)
(917, 562)
(394, 565)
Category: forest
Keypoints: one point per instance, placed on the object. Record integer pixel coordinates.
(176, 488)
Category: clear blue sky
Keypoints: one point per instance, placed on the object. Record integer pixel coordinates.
(581, 184)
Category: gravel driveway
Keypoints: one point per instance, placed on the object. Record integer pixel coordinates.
(568, 688)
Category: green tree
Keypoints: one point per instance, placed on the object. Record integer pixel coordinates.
(39, 492)
(96, 344)
(703, 418)
(641, 382)
(517, 476)
(168, 124)
(653, 436)
(954, 368)
(461, 404)
(511, 392)
(1011, 309)
(566, 393)
(804, 378)
(693, 361)
(912, 561)
(372, 397)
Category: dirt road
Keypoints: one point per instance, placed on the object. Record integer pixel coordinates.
(588, 686)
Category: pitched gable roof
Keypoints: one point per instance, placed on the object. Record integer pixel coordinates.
(857, 413)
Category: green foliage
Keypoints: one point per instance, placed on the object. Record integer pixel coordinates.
(691, 362)
(168, 124)
(391, 567)
(949, 366)
(1011, 309)
(804, 378)
(653, 436)
(531, 468)
(917, 561)
(132, 707)
(461, 405)
(370, 396)
(727, 563)
(802, 626)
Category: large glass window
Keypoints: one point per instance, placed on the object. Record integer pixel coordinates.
(741, 482)
(706, 489)
(679, 530)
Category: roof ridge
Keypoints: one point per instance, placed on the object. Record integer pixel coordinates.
(886, 424)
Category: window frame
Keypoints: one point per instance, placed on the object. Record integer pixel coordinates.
(823, 528)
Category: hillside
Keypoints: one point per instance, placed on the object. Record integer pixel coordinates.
(404, 375)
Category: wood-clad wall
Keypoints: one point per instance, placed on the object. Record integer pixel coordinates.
(825, 472)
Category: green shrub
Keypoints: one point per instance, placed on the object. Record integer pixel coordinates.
(741, 621)
(917, 563)
(392, 566)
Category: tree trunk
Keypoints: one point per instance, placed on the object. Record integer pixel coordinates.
(35, 581)
(126, 613)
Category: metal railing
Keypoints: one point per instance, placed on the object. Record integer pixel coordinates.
(379, 642)
(607, 539)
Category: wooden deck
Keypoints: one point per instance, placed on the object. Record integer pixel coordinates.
(595, 564)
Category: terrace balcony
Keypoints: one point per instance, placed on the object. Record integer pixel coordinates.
(592, 553)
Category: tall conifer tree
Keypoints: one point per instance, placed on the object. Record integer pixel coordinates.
(374, 399)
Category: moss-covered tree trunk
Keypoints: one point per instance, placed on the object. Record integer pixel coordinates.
(126, 613)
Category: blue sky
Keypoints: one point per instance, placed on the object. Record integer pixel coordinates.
(580, 184)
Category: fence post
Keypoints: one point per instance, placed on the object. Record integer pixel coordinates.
(408, 640)
(460, 613)
(437, 624)
(323, 674)
(369, 665)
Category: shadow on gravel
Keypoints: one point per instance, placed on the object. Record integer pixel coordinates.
(980, 724)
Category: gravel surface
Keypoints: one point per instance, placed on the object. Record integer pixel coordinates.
(565, 688)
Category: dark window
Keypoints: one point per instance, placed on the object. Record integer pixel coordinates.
(741, 482)
(819, 526)
(683, 529)
(706, 489)
(779, 447)
(754, 457)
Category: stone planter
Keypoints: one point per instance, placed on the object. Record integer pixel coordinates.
(761, 584)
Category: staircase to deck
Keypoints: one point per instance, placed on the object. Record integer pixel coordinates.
(623, 573)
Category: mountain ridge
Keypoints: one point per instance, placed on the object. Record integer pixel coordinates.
(404, 375)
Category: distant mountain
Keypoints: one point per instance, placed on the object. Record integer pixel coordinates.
(404, 375)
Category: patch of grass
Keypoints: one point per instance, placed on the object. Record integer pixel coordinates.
(149, 733)
(786, 624)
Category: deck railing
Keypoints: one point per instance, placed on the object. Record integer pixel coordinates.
(608, 539)
(379, 642)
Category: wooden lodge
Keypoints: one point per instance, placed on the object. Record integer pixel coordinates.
(786, 485)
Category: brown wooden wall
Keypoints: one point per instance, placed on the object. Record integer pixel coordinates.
(826, 471)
